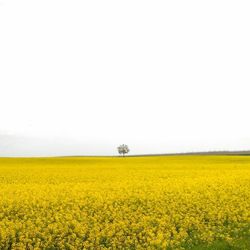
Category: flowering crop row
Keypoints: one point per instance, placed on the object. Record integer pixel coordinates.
(123, 203)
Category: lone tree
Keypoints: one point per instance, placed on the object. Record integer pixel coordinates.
(123, 149)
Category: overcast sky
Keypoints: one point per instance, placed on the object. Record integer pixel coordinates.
(82, 77)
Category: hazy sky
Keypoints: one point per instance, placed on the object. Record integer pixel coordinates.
(82, 77)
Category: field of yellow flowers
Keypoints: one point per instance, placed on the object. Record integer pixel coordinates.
(159, 202)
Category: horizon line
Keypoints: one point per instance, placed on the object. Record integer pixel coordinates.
(205, 153)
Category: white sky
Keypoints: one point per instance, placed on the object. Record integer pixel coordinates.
(82, 77)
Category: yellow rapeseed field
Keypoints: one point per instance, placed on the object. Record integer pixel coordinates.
(160, 202)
